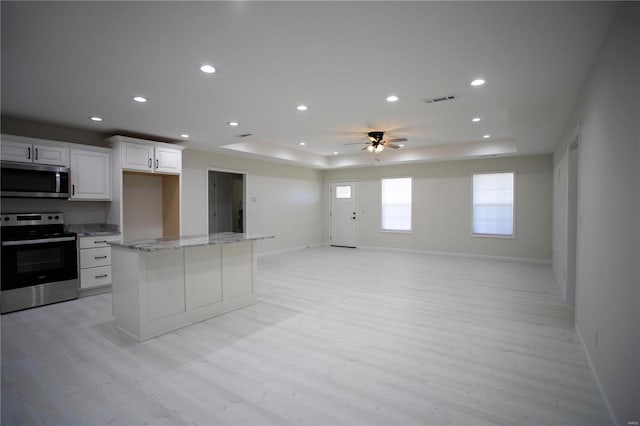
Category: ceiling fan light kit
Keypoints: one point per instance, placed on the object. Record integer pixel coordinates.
(376, 143)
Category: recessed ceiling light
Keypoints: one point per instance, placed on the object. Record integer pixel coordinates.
(475, 119)
(486, 136)
(477, 82)
(301, 107)
(335, 152)
(140, 99)
(96, 118)
(302, 144)
(401, 145)
(392, 98)
(184, 135)
(207, 69)
(233, 123)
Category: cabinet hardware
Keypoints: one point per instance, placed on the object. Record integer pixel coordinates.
(100, 257)
(157, 163)
(36, 153)
(28, 153)
(102, 276)
(149, 162)
(73, 190)
(99, 242)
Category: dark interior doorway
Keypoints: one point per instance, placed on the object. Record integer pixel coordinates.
(226, 201)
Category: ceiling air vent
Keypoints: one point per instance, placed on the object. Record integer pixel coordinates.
(440, 99)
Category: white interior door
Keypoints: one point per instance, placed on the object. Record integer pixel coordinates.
(344, 218)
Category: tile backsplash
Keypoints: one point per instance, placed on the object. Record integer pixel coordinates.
(75, 212)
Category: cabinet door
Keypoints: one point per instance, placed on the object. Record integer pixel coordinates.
(168, 160)
(15, 151)
(137, 157)
(54, 155)
(90, 175)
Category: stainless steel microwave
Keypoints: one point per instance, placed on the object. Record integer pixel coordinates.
(24, 180)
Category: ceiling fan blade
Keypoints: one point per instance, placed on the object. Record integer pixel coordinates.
(364, 149)
(391, 145)
(400, 129)
(397, 140)
(356, 143)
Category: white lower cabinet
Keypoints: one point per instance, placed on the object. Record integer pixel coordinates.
(95, 260)
(159, 291)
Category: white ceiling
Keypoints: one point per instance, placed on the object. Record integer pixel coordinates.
(65, 62)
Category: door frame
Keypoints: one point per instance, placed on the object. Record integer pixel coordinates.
(245, 177)
(331, 183)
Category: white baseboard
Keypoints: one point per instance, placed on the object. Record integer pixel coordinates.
(470, 255)
(612, 416)
(413, 251)
(285, 250)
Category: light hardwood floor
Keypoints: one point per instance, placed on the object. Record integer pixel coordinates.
(340, 336)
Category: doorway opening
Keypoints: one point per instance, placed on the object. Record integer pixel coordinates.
(226, 201)
(572, 220)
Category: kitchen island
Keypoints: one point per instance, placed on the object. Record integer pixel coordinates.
(163, 284)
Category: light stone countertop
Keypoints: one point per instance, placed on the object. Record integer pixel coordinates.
(92, 229)
(170, 243)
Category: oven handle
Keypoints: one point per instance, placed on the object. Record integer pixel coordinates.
(42, 241)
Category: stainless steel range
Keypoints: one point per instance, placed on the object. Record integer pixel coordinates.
(39, 261)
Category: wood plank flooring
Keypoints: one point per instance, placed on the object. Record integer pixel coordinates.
(340, 336)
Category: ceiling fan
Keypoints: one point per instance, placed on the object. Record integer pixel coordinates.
(377, 143)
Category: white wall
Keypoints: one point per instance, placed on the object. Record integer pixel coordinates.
(442, 207)
(608, 276)
(287, 204)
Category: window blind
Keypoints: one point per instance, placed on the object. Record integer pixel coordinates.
(396, 204)
(493, 196)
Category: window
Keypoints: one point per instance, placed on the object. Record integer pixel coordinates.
(493, 203)
(343, 191)
(396, 204)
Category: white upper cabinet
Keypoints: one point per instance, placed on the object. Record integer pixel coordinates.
(25, 152)
(151, 159)
(137, 157)
(90, 174)
(168, 160)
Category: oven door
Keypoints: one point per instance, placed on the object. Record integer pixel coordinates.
(28, 263)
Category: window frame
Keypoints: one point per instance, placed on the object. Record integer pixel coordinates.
(512, 236)
(396, 231)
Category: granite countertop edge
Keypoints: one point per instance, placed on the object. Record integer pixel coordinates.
(172, 243)
(92, 229)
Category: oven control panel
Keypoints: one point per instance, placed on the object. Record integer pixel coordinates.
(26, 219)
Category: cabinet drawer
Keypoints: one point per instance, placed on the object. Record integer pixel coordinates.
(97, 241)
(90, 258)
(93, 277)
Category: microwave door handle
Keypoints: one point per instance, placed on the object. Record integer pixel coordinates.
(58, 182)
(41, 241)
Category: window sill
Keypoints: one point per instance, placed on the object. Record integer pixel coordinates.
(393, 231)
(502, 237)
